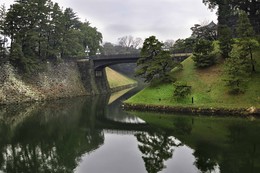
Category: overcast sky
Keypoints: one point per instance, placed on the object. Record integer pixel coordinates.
(166, 19)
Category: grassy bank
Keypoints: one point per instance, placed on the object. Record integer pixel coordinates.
(208, 89)
(117, 80)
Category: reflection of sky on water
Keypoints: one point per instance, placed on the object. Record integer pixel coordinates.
(182, 161)
(118, 154)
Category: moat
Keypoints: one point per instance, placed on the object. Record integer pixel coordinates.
(93, 134)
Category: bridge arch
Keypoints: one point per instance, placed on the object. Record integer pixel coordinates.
(100, 62)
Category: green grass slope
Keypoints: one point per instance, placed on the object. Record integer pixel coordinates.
(116, 79)
(208, 89)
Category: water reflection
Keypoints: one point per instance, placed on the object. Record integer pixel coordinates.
(156, 149)
(115, 112)
(87, 135)
(47, 137)
(205, 161)
(244, 150)
(226, 145)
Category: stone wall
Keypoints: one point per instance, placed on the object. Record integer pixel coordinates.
(87, 76)
(56, 81)
(97, 83)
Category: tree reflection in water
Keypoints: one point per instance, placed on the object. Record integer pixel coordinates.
(204, 157)
(243, 155)
(156, 148)
(47, 137)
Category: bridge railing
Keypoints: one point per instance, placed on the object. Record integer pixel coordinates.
(181, 54)
(121, 132)
(114, 56)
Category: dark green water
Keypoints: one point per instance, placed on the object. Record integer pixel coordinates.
(85, 135)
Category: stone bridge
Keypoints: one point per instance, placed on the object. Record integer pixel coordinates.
(93, 68)
(102, 61)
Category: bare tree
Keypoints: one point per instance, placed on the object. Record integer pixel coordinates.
(137, 41)
(129, 41)
(168, 44)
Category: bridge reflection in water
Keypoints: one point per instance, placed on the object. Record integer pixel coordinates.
(86, 135)
(53, 135)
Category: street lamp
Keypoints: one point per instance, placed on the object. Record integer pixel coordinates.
(98, 52)
(87, 51)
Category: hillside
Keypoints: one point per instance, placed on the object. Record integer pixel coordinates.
(208, 89)
(117, 80)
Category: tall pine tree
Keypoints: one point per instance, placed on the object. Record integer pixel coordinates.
(246, 41)
(154, 61)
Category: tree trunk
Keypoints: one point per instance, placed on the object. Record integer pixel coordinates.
(252, 61)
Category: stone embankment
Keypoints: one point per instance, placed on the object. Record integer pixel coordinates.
(252, 111)
(56, 81)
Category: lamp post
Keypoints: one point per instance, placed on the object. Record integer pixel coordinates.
(98, 52)
(87, 51)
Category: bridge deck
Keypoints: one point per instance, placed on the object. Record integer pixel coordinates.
(102, 61)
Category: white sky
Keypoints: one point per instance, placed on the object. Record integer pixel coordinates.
(166, 19)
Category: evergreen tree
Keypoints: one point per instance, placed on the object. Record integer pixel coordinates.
(246, 41)
(71, 45)
(154, 61)
(225, 41)
(203, 54)
(236, 72)
(40, 30)
(55, 32)
(237, 67)
(90, 37)
(251, 7)
(19, 27)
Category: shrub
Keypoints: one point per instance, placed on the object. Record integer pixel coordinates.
(181, 90)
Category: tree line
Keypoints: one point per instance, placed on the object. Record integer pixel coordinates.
(40, 30)
(227, 11)
(233, 39)
(126, 45)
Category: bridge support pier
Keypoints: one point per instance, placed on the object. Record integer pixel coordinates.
(94, 81)
(101, 81)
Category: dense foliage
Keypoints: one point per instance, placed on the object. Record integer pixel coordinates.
(236, 73)
(183, 45)
(181, 90)
(203, 53)
(225, 40)
(40, 30)
(227, 11)
(154, 61)
(237, 67)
